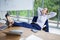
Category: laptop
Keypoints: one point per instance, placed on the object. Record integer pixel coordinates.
(14, 32)
(3, 27)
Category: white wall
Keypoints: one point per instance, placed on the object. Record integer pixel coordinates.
(2, 14)
(8, 5)
(2, 5)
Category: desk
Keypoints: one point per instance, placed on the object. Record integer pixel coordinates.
(27, 32)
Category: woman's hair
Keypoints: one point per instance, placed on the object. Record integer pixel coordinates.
(46, 9)
(7, 14)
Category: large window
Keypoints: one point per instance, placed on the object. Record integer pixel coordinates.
(23, 15)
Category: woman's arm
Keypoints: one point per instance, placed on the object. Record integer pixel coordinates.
(52, 14)
(39, 11)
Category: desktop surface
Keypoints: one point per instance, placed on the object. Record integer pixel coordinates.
(27, 32)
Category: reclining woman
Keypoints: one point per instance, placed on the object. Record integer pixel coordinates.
(42, 17)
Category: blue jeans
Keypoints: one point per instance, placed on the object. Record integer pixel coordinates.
(26, 25)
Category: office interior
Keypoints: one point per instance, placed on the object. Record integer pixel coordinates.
(25, 10)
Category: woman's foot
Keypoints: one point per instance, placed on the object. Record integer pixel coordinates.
(9, 21)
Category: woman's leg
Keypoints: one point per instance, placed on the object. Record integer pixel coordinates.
(36, 26)
(23, 24)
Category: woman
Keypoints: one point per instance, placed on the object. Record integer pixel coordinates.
(43, 16)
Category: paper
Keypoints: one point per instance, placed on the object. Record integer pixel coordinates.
(33, 37)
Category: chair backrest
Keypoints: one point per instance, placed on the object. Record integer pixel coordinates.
(34, 19)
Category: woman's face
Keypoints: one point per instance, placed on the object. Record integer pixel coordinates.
(45, 11)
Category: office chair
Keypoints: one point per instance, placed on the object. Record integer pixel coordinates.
(46, 29)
